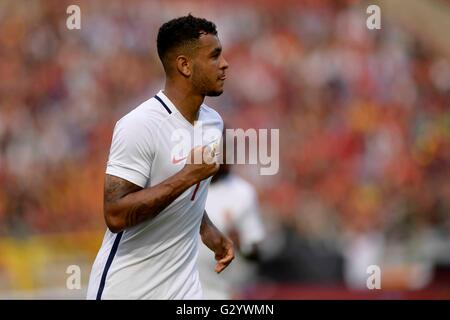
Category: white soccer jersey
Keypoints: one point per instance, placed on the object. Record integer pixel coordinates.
(232, 203)
(155, 259)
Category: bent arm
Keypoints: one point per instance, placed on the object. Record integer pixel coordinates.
(217, 242)
(126, 204)
(211, 236)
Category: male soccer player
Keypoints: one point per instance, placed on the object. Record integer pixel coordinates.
(154, 200)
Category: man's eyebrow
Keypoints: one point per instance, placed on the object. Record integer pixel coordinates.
(216, 51)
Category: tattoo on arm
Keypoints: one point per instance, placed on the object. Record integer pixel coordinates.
(136, 214)
(117, 188)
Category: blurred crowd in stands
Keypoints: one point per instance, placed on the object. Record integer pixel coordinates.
(364, 119)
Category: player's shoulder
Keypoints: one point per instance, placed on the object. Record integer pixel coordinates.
(148, 114)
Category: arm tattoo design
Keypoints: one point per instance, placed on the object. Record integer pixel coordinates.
(137, 214)
(117, 188)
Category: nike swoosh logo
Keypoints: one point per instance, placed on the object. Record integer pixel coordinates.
(175, 161)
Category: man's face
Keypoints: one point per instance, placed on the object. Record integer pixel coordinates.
(209, 66)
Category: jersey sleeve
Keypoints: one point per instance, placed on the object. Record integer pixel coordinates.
(132, 151)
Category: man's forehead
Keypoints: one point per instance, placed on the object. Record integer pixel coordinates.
(208, 41)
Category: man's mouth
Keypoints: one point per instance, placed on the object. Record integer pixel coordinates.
(223, 77)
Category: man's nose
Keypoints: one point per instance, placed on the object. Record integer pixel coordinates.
(224, 64)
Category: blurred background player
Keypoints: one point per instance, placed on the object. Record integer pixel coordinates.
(233, 206)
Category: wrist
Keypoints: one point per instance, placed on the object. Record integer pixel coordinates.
(212, 236)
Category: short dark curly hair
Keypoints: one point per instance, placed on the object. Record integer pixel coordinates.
(181, 32)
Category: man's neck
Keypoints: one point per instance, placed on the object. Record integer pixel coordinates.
(186, 102)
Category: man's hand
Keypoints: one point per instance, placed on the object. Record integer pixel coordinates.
(201, 163)
(224, 254)
(220, 244)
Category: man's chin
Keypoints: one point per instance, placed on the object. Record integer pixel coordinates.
(214, 93)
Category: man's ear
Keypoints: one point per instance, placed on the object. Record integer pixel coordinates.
(184, 65)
